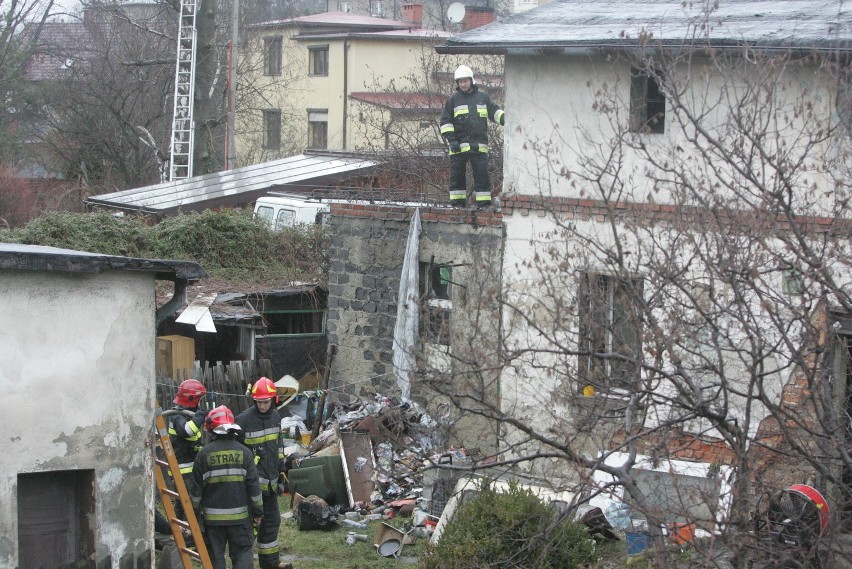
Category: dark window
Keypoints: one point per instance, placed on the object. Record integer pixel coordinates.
(272, 55)
(436, 302)
(610, 325)
(318, 60)
(272, 129)
(294, 322)
(647, 103)
(318, 129)
(843, 102)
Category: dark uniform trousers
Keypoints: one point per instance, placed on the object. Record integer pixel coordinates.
(479, 167)
(239, 539)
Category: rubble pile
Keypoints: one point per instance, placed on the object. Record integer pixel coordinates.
(392, 459)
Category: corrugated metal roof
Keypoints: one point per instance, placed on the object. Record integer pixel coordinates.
(231, 187)
(818, 24)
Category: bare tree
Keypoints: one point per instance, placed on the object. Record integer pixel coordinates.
(398, 121)
(674, 328)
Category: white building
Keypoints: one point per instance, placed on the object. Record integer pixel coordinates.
(78, 350)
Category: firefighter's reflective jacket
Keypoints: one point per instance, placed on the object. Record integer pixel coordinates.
(465, 120)
(186, 436)
(262, 435)
(226, 488)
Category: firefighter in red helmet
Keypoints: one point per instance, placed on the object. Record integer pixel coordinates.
(185, 429)
(226, 492)
(261, 425)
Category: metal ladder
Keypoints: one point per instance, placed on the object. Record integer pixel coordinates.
(161, 469)
(183, 125)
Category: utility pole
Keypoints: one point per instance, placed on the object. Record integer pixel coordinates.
(231, 153)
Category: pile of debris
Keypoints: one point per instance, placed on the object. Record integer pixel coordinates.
(373, 460)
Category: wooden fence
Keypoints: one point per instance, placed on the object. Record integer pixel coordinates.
(226, 384)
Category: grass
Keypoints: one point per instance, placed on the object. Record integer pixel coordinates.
(327, 549)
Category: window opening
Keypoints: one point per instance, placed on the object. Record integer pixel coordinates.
(294, 323)
(647, 103)
(272, 129)
(610, 331)
(436, 286)
(272, 48)
(318, 129)
(318, 60)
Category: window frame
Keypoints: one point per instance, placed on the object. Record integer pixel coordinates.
(647, 102)
(318, 66)
(271, 129)
(314, 120)
(598, 317)
(436, 303)
(323, 320)
(273, 55)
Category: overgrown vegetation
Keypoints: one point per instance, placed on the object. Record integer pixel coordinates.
(512, 528)
(229, 244)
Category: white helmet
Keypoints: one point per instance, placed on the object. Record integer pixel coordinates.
(464, 72)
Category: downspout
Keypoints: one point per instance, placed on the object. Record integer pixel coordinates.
(345, 88)
(177, 300)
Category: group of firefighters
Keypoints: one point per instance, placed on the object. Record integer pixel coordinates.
(233, 480)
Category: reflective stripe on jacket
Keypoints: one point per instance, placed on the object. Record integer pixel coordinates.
(262, 435)
(465, 119)
(226, 483)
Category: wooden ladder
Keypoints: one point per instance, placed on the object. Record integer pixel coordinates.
(161, 468)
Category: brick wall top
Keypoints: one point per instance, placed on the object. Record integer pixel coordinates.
(525, 204)
(391, 212)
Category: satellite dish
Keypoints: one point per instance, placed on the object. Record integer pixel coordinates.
(455, 13)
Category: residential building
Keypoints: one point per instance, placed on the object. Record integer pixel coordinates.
(668, 193)
(306, 70)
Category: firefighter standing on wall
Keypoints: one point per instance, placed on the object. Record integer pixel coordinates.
(185, 432)
(226, 492)
(464, 124)
(261, 427)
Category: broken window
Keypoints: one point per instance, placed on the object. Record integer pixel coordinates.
(436, 302)
(647, 103)
(294, 322)
(272, 129)
(318, 60)
(610, 326)
(272, 55)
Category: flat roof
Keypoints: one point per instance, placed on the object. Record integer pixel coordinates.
(231, 187)
(14, 256)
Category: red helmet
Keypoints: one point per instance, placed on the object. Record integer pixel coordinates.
(264, 389)
(220, 420)
(189, 393)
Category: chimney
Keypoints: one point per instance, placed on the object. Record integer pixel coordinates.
(475, 16)
(413, 14)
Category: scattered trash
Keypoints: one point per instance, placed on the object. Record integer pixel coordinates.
(352, 524)
(352, 537)
(313, 512)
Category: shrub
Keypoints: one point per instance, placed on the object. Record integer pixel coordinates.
(507, 529)
(95, 232)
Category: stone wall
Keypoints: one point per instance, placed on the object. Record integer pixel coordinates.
(366, 260)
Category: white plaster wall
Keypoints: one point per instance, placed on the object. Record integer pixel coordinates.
(563, 113)
(537, 388)
(78, 389)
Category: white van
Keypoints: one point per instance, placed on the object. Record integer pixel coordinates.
(287, 211)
